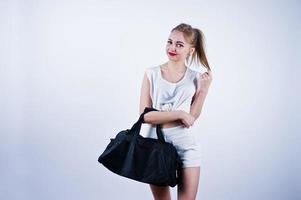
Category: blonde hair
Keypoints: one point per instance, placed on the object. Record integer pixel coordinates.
(195, 38)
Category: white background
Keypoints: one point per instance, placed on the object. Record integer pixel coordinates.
(70, 78)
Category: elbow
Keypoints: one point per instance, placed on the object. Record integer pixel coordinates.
(150, 119)
(147, 118)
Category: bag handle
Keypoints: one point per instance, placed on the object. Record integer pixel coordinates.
(158, 127)
(141, 120)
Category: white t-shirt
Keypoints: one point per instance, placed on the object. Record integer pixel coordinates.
(168, 96)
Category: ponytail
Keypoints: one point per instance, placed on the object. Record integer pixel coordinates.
(199, 52)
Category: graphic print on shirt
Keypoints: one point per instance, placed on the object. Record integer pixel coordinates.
(166, 106)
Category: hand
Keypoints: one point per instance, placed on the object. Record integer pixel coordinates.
(204, 81)
(187, 119)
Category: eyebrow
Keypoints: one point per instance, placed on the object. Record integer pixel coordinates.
(176, 41)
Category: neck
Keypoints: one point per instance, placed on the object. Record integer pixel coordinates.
(176, 66)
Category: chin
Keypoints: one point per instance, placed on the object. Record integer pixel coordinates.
(171, 58)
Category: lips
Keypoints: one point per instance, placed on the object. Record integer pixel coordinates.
(172, 54)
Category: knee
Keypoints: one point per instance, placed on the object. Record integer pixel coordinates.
(160, 193)
(186, 197)
(162, 198)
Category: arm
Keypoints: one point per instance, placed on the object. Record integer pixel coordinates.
(197, 104)
(160, 117)
(145, 99)
(154, 117)
(203, 83)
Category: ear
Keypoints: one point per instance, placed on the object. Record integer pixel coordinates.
(192, 49)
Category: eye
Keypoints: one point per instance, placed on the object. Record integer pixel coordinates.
(178, 45)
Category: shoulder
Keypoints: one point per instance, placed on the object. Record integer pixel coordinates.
(151, 68)
(151, 71)
(197, 72)
(193, 73)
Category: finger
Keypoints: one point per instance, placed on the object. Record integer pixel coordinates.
(206, 73)
(185, 123)
(204, 77)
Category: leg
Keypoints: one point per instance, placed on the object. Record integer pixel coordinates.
(189, 181)
(160, 192)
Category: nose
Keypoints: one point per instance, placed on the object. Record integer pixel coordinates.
(172, 48)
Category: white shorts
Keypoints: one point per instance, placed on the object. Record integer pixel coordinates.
(185, 142)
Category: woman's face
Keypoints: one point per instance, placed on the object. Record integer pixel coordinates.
(177, 49)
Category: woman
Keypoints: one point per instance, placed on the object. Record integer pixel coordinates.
(178, 92)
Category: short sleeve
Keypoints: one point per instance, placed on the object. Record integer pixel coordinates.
(197, 75)
(148, 74)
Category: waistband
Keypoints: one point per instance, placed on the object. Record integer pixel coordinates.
(174, 127)
(171, 129)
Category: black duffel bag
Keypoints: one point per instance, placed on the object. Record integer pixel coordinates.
(143, 159)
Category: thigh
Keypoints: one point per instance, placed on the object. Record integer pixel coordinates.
(186, 144)
(189, 182)
(179, 136)
(160, 192)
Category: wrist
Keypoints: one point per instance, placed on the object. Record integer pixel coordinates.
(202, 92)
